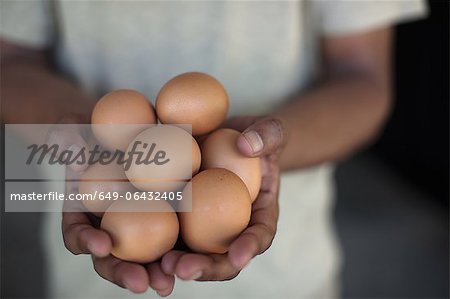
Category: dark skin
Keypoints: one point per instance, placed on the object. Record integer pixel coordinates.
(342, 113)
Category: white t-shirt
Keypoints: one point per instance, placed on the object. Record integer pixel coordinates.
(262, 51)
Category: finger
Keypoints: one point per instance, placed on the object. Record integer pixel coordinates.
(170, 260)
(258, 237)
(159, 281)
(127, 275)
(81, 237)
(214, 267)
(264, 137)
(69, 146)
(252, 242)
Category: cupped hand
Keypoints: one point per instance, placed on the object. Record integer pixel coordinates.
(81, 231)
(82, 236)
(262, 137)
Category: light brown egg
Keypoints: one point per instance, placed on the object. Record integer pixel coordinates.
(193, 98)
(221, 210)
(119, 116)
(219, 150)
(179, 158)
(103, 181)
(144, 236)
(196, 157)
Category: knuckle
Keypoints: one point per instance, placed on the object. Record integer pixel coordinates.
(100, 269)
(75, 238)
(277, 125)
(69, 246)
(97, 267)
(264, 236)
(108, 269)
(269, 231)
(81, 238)
(278, 130)
(68, 240)
(267, 245)
(267, 242)
(116, 271)
(223, 273)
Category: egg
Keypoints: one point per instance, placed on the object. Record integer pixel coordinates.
(220, 151)
(196, 157)
(193, 98)
(141, 231)
(176, 154)
(119, 116)
(103, 181)
(220, 210)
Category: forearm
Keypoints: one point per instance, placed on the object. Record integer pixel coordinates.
(333, 120)
(31, 92)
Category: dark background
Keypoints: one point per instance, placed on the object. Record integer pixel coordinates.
(415, 141)
(392, 208)
(393, 199)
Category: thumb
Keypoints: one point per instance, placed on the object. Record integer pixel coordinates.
(68, 142)
(264, 137)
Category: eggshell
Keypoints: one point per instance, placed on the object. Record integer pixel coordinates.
(220, 151)
(119, 116)
(193, 98)
(221, 210)
(180, 150)
(196, 157)
(102, 180)
(144, 236)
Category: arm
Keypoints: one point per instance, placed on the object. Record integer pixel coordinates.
(347, 109)
(343, 112)
(32, 91)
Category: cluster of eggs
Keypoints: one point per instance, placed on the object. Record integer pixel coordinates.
(224, 182)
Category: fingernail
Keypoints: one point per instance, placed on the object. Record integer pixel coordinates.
(254, 140)
(197, 275)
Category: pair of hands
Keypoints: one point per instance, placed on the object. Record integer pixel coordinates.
(263, 137)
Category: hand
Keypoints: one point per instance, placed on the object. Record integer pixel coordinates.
(261, 137)
(81, 229)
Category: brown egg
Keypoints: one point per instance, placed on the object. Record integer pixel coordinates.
(104, 181)
(196, 157)
(143, 236)
(119, 116)
(193, 98)
(221, 210)
(176, 154)
(219, 150)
